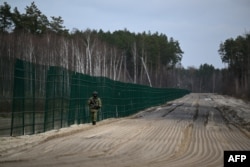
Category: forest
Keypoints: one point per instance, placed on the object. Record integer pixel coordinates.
(146, 58)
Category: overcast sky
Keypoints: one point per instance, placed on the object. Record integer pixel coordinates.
(199, 25)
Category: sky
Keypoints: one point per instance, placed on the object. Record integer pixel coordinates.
(198, 25)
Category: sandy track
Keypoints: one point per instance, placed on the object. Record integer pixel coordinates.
(191, 131)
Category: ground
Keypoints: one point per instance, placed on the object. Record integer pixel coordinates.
(191, 131)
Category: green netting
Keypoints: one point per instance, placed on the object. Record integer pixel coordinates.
(46, 98)
(23, 104)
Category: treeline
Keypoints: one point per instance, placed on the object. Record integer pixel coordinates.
(203, 79)
(233, 80)
(144, 58)
(236, 53)
(32, 21)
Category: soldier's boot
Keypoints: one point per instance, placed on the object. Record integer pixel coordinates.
(93, 123)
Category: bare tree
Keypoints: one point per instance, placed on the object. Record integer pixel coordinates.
(145, 67)
(90, 44)
(134, 52)
(115, 63)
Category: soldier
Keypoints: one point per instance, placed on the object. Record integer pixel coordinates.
(95, 104)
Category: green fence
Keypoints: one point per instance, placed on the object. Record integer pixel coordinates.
(47, 97)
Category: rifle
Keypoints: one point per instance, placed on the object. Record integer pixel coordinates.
(93, 104)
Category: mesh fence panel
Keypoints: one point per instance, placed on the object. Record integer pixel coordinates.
(48, 97)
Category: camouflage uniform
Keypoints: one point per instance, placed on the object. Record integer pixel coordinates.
(95, 104)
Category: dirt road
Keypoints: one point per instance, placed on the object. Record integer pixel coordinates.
(191, 131)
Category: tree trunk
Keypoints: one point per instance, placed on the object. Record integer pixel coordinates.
(144, 65)
(134, 51)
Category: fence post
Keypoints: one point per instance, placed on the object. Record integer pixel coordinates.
(33, 97)
(18, 98)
